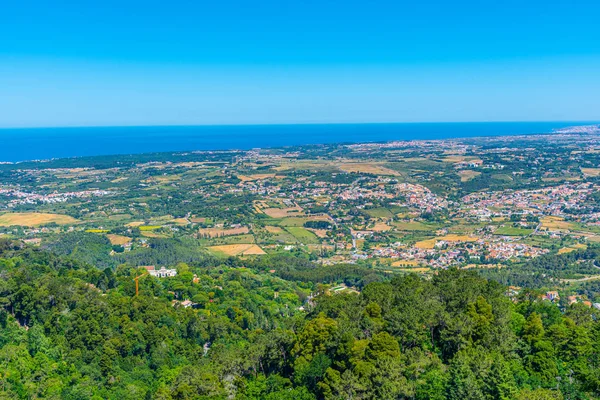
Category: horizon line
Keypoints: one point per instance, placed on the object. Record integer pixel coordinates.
(293, 124)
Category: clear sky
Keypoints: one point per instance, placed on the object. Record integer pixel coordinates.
(73, 63)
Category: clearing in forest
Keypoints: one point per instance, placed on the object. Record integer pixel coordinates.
(467, 174)
(118, 240)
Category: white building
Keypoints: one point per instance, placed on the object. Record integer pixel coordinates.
(161, 273)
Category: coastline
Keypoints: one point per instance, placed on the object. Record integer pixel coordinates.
(30, 144)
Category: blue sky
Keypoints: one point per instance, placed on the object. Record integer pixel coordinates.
(74, 63)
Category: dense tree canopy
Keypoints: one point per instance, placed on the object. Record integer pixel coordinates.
(71, 331)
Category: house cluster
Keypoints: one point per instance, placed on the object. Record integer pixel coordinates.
(421, 197)
(548, 201)
(18, 197)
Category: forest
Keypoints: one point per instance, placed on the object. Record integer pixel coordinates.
(71, 330)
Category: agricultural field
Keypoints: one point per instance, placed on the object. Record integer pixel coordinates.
(380, 227)
(35, 219)
(233, 239)
(512, 231)
(147, 228)
(430, 243)
(374, 168)
(379, 212)
(415, 226)
(556, 223)
(231, 250)
(593, 172)
(118, 240)
(255, 177)
(218, 232)
(274, 229)
(303, 235)
(467, 174)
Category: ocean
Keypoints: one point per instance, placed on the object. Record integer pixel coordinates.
(46, 143)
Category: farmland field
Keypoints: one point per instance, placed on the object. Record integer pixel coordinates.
(35, 219)
(556, 223)
(118, 239)
(145, 228)
(274, 229)
(594, 172)
(234, 239)
(430, 243)
(467, 174)
(237, 249)
(381, 227)
(512, 231)
(367, 168)
(303, 235)
(415, 226)
(379, 212)
(216, 232)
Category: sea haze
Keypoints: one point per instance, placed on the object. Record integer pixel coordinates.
(45, 143)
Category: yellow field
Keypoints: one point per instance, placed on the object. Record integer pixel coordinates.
(135, 224)
(146, 228)
(591, 171)
(283, 212)
(34, 219)
(555, 223)
(430, 243)
(467, 174)
(578, 246)
(381, 227)
(216, 232)
(367, 168)
(118, 240)
(565, 250)
(238, 249)
(274, 229)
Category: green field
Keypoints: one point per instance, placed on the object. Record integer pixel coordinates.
(236, 239)
(292, 221)
(303, 235)
(512, 231)
(379, 212)
(415, 226)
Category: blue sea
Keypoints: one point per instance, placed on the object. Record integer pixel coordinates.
(46, 143)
